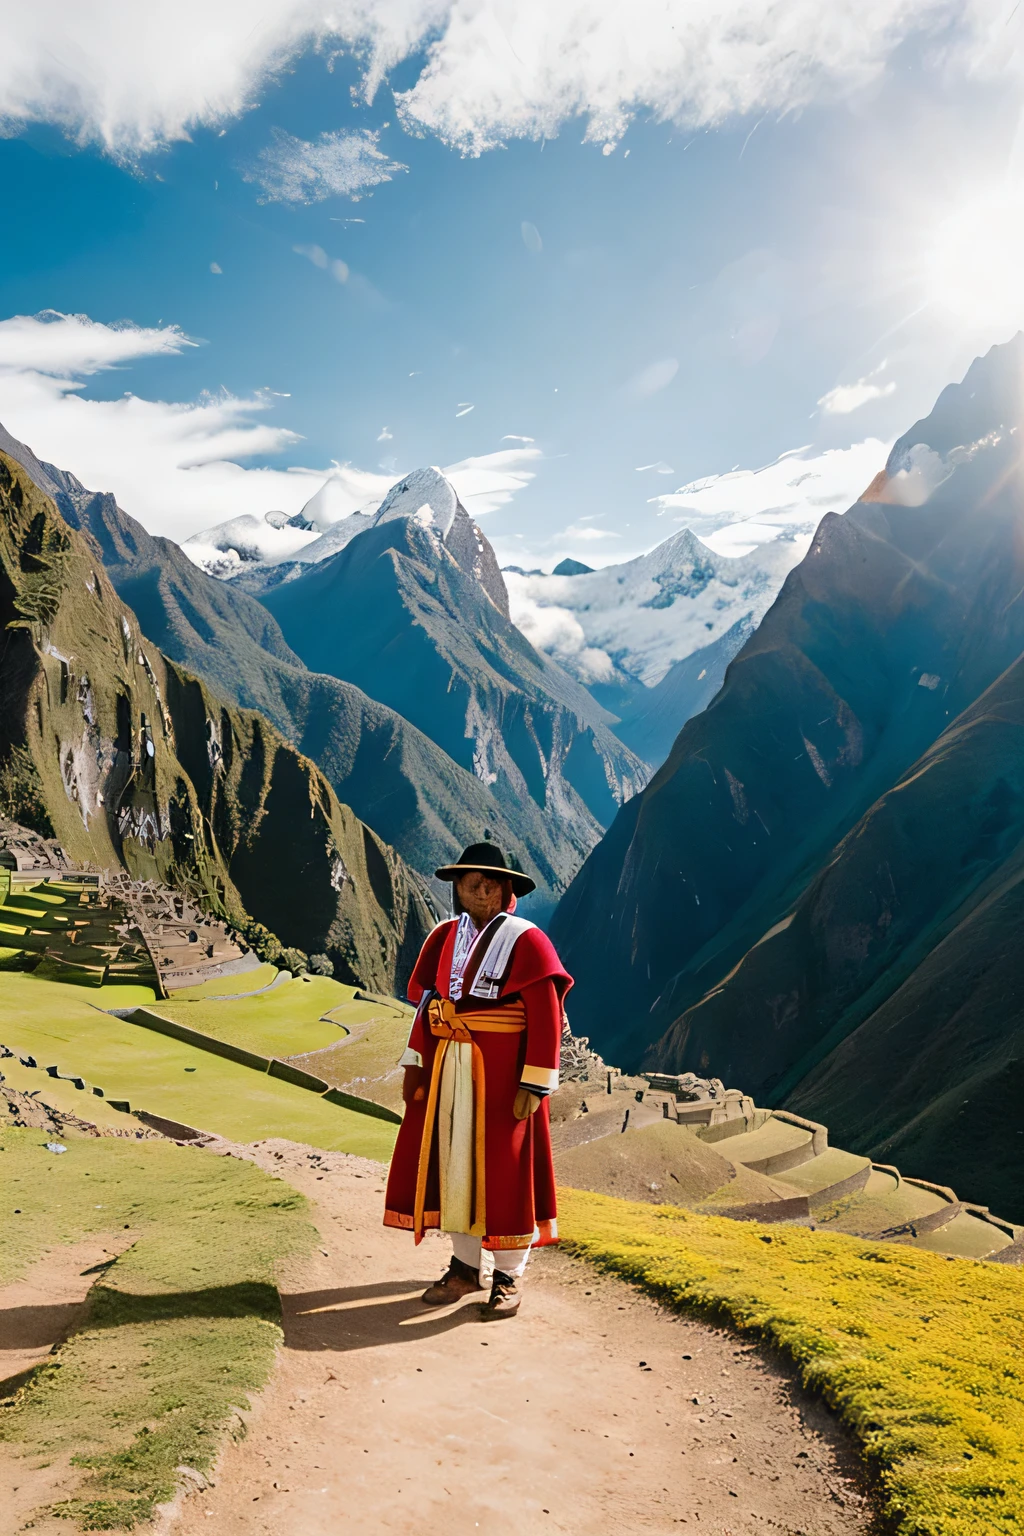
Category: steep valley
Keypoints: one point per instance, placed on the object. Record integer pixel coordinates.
(395, 777)
(414, 611)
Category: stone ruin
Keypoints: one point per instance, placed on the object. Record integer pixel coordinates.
(122, 928)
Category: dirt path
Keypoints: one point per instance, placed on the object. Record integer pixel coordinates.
(36, 1314)
(40, 1311)
(592, 1411)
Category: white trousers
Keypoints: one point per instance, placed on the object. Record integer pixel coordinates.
(511, 1261)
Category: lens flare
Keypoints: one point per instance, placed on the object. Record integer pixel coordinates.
(975, 268)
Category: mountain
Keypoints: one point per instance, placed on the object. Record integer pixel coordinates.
(415, 612)
(650, 719)
(623, 629)
(246, 545)
(130, 761)
(816, 893)
(395, 778)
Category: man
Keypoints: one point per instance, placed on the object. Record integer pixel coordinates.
(473, 1155)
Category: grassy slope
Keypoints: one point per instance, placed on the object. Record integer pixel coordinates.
(912, 1349)
(318, 1024)
(180, 1330)
(283, 1022)
(367, 1063)
(167, 1077)
(229, 986)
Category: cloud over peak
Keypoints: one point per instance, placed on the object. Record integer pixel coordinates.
(174, 464)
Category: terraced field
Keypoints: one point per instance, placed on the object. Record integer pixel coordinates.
(66, 931)
(343, 1036)
(50, 1023)
(737, 1160)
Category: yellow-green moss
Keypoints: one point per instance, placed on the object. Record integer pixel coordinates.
(920, 1355)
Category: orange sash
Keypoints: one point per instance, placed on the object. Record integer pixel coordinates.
(447, 1025)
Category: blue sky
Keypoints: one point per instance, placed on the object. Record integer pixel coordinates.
(680, 292)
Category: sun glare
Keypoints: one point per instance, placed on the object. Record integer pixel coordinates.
(975, 268)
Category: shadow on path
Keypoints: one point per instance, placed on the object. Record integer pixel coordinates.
(367, 1316)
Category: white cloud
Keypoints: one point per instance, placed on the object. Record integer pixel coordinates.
(490, 480)
(175, 465)
(66, 345)
(557, 631)
(531, 237)
(464, 409)
(850, 397)
(338, 269)
(216, 269)
(736, 512)
(385, 436)
(496, 73)
(132, 77)
(291, 170)
(314, 253)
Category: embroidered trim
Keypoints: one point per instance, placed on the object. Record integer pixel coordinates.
(465, 940)
(405, 1223)
(539, 1079)
(495, 962)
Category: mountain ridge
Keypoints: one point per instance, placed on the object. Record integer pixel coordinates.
(133, 763)
(904, 612)
(394, 776)
(414, 611)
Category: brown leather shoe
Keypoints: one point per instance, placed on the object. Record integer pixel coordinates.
(504, 1298)
(458, 1282)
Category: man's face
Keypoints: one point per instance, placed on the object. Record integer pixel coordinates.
(480, 896)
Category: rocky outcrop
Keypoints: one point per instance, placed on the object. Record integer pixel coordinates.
(134, 763)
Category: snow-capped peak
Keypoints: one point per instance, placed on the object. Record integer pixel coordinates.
(426, 495)
(634, 620)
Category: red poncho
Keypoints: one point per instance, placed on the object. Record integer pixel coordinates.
(516, 1038)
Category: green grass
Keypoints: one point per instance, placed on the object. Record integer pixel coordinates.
(289, 1022)
(227, 986)
(284, 1022)
(179, 1331)
(64, 1096)
(367, 1062)
(919, 1354)
(167, 1077)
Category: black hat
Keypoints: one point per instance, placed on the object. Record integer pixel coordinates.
(489, 860)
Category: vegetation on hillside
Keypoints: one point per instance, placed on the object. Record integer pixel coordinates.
(134, 763)
(180, 1330)
(917, 1353)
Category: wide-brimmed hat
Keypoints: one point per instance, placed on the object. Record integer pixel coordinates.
(489, 860)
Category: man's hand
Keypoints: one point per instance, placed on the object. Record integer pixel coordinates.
(526, 1103)
(414, 1087)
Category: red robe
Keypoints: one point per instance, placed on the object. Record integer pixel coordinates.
(520, 1180)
